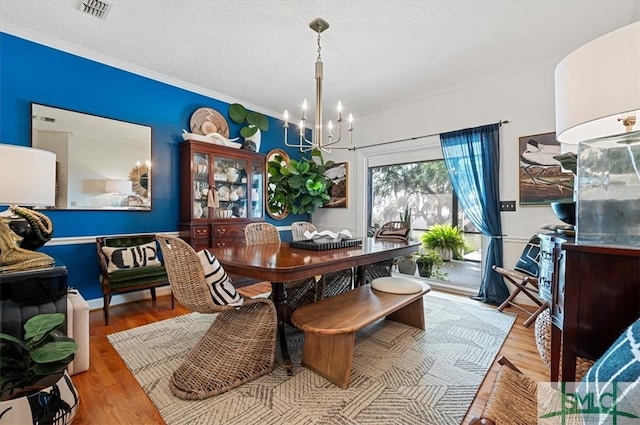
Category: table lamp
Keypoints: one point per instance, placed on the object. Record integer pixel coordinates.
(597, 99)
(118, 189)
(27, 179)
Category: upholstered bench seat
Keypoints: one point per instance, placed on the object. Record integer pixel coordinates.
(76, 310)
(138, 275)
(13, 315)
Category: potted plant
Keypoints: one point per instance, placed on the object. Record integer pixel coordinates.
(445, 239)
(254, 123)
(426, 261)
(33, 373)
(407, 264)
(566, 211)
(298, 186)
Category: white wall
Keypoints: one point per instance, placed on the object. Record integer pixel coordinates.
(524, 98)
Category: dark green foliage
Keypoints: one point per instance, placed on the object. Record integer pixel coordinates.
(44, 352)
(300, 186)
(569, 161)
(444, 237)
(254, 120)
(429, 263)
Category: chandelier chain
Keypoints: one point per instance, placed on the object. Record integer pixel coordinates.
(304, 144)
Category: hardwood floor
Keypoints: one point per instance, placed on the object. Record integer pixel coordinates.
(109, 394)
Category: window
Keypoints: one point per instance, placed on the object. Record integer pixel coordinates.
(422, 186)
(425, 188)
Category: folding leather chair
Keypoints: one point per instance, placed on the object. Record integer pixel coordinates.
(524, 277)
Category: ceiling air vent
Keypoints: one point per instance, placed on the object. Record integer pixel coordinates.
(96, 8)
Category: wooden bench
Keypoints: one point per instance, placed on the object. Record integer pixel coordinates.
(330, 326)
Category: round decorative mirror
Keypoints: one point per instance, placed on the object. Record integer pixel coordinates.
(275, 208)
(139, 177)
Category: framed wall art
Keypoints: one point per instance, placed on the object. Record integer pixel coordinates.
(339, 175)
(542, 179)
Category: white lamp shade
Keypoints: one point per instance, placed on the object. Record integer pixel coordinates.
(119, 186)
(27, 176)
(597, 84)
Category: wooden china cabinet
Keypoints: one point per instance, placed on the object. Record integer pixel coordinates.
(235, 176)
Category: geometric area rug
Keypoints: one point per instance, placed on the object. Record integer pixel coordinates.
(400, 374)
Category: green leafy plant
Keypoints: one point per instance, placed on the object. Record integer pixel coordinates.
(299, 186)
(38, 361)
(428, 261)
(254, 120)
(569, 161)
(445, 239)
(406, 215)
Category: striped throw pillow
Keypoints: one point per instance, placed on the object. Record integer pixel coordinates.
(529, 261)
(219, 284)
(615, 377)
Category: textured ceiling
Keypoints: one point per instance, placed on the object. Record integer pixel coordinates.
(376, 53)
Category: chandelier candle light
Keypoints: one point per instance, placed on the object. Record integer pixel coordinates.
(319, 25)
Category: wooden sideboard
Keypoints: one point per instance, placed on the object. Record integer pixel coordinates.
(594, 296)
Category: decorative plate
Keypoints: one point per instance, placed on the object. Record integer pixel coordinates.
(206, 121)
(223, 193)
(200, 165)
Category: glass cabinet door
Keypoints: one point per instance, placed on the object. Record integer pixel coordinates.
(231, 182)
(200, 178)
(257, 189)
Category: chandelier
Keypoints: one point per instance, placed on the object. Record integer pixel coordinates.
(303, 144)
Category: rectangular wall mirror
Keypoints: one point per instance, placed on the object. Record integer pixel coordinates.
(102, 163)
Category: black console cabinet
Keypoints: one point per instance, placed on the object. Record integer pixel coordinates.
(26, 293)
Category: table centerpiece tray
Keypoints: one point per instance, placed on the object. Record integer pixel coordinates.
(310, 244)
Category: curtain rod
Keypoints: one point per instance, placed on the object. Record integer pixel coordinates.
(412, 138)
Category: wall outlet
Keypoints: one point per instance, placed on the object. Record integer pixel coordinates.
(507, 205)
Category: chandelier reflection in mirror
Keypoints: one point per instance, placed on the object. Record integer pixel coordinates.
(319, 25)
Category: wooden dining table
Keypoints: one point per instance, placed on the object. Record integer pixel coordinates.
(279, 262)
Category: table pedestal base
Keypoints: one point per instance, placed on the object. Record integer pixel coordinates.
(282, 310)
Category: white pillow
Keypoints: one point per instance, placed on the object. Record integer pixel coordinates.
(397, 285)
(222, 290)
(128, 257)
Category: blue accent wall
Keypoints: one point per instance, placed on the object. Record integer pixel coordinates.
(31, 72)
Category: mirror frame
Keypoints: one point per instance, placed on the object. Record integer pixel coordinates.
(71, 128)
(285, 157)
(140, 179)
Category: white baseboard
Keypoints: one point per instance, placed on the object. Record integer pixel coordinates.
(143, 294)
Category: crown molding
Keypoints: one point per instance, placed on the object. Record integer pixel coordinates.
(85, 53)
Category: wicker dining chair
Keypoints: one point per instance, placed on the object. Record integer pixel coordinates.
(393, 230)
(238, 347)
(330, 284)
(515, 399)
(299, 292)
